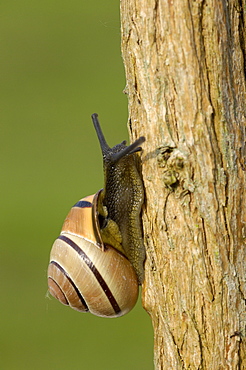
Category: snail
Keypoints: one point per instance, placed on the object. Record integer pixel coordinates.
(96, 264)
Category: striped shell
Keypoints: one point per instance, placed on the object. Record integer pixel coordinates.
(85, 274)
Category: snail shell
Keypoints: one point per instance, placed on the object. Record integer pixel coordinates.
(87, 274)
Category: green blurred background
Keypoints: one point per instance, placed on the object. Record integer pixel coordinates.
(60, 62)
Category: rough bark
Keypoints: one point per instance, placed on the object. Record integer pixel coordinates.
(185, 70)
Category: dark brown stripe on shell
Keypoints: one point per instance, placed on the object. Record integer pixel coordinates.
(94, 270)
(71, 282)
(58, 287)
(83, 204)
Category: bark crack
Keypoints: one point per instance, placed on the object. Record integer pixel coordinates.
(241, 32)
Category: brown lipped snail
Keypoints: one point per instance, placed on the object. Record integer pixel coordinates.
(96, 264)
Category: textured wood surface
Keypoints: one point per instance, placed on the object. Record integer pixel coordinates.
(185, 71)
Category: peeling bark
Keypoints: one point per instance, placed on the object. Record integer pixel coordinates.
(185, 67)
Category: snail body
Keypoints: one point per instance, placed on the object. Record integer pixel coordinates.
(96, 264)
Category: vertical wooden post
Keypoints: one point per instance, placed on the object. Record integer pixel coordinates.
(185, 71)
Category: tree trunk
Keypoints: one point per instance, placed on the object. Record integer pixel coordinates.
(185, 70)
